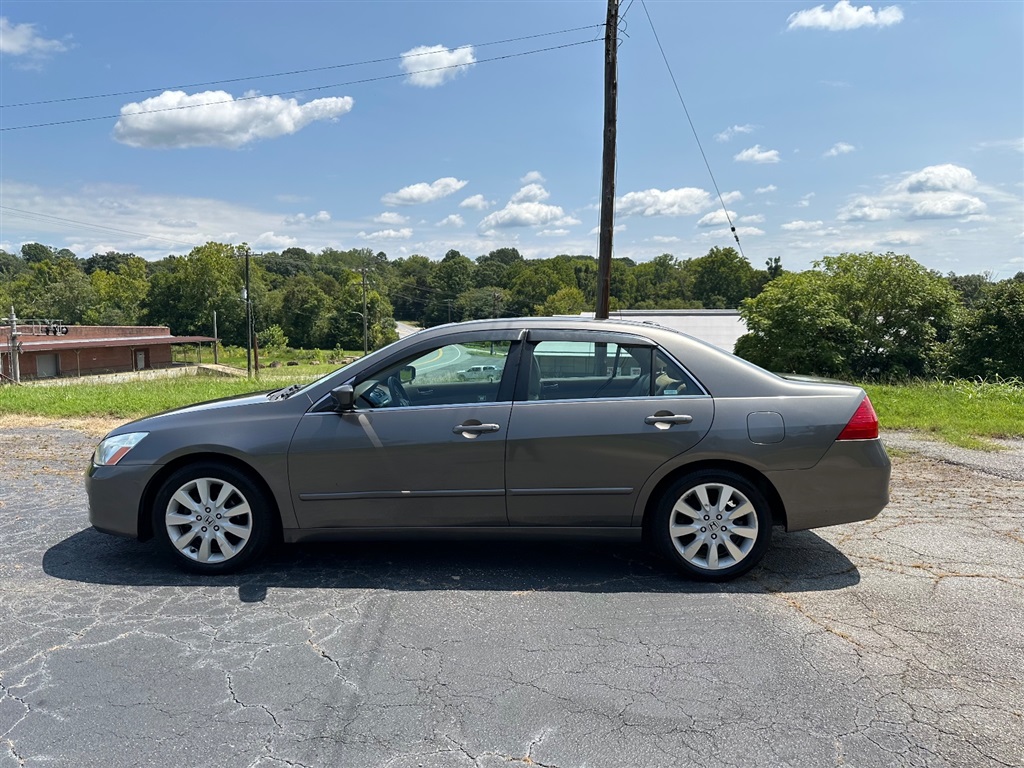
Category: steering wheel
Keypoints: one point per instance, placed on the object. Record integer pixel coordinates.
(398, 393)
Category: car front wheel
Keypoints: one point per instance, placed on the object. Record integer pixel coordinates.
(212, 518)
(712, 525)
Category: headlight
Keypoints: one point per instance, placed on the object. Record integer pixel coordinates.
(113, 449)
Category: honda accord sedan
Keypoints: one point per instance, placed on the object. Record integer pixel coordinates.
(606, 429)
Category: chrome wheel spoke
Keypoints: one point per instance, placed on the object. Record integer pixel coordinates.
(713, 555)
(182, 541)
(736, 552)
(225, 546)
(175, 518)
(242, 532)
(678, 530)
(204, 550)
(185, 500)
(725, 493)
(746, 533)
(692, 547)
(746, 508)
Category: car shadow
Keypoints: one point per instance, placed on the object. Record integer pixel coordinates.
(796, 562)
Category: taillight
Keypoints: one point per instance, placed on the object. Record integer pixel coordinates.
(863, 425)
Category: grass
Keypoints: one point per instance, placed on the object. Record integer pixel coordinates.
(963, 412)
(140, 398)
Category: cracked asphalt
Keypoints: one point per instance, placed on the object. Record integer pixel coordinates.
(896, 642)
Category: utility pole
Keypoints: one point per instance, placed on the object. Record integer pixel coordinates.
(248, 319)
(366, 343)
(15, 363)
(611, 91)
(216, 343)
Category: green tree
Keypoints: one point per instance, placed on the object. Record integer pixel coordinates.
(722, 278)
(121, 294)
(879, 316)
(565, 301)
(797, 325)
(990, 342)
(453, 276)
(186, 290)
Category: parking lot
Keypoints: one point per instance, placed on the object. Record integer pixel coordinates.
(896, 642)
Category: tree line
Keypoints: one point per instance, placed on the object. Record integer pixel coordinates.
(854, 315)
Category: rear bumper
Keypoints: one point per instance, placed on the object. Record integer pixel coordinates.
(115, 494)
(849, 483)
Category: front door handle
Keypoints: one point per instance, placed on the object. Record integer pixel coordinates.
(665, 420)
(474, 429)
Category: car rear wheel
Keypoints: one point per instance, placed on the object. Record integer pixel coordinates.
(712, 525)
(212, 518)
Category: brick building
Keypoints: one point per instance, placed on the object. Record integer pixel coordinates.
(48, 351)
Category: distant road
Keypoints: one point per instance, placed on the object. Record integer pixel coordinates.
(404, 329)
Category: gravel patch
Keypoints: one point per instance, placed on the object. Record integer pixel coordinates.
(1007, 463)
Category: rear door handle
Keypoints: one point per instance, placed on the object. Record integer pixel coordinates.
(472, 430)
(668, 418)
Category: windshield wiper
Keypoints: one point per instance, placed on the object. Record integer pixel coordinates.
(284, 393)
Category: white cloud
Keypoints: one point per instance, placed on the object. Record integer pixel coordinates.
(476, 202)
(23, 40)
(765, 190)
(840, 148)
(273, 241)
(451, 221)
(531, 193)
(900, 238)
(175, 119)
(945, 205)
(526, 214)
(666, 239)
(533, 176)
(936, 192)
(716, 219)
(1016, 144)
(756, 154)
(429, 66)
(423, 192)
(939, 178)
(320, 217)
(178, 223)
(390, 217)
(803, 226)
(845, 15)
(388, 234)
(805, 201)
(685, 201)
(728, 133)
(553, 233)
(864, 208)
(754, 218)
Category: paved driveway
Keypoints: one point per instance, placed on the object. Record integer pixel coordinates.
(894, 642)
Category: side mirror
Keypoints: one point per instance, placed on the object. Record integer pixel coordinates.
(344, 398)
(407, 374)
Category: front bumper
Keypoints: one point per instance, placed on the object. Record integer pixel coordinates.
(849, 483)
(115, 496)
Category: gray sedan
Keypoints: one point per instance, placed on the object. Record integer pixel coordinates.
(592, 429)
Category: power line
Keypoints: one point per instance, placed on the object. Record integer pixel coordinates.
(33, 216)
(291, 72)
(297, 90)
(668, 66)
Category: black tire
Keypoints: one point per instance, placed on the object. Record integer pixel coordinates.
(229, 516)
(709, 541)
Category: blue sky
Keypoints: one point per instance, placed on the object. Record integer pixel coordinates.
(831, 128)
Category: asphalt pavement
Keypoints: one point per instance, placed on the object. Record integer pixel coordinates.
(895, 642)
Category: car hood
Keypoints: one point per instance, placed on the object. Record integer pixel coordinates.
(222, 407)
